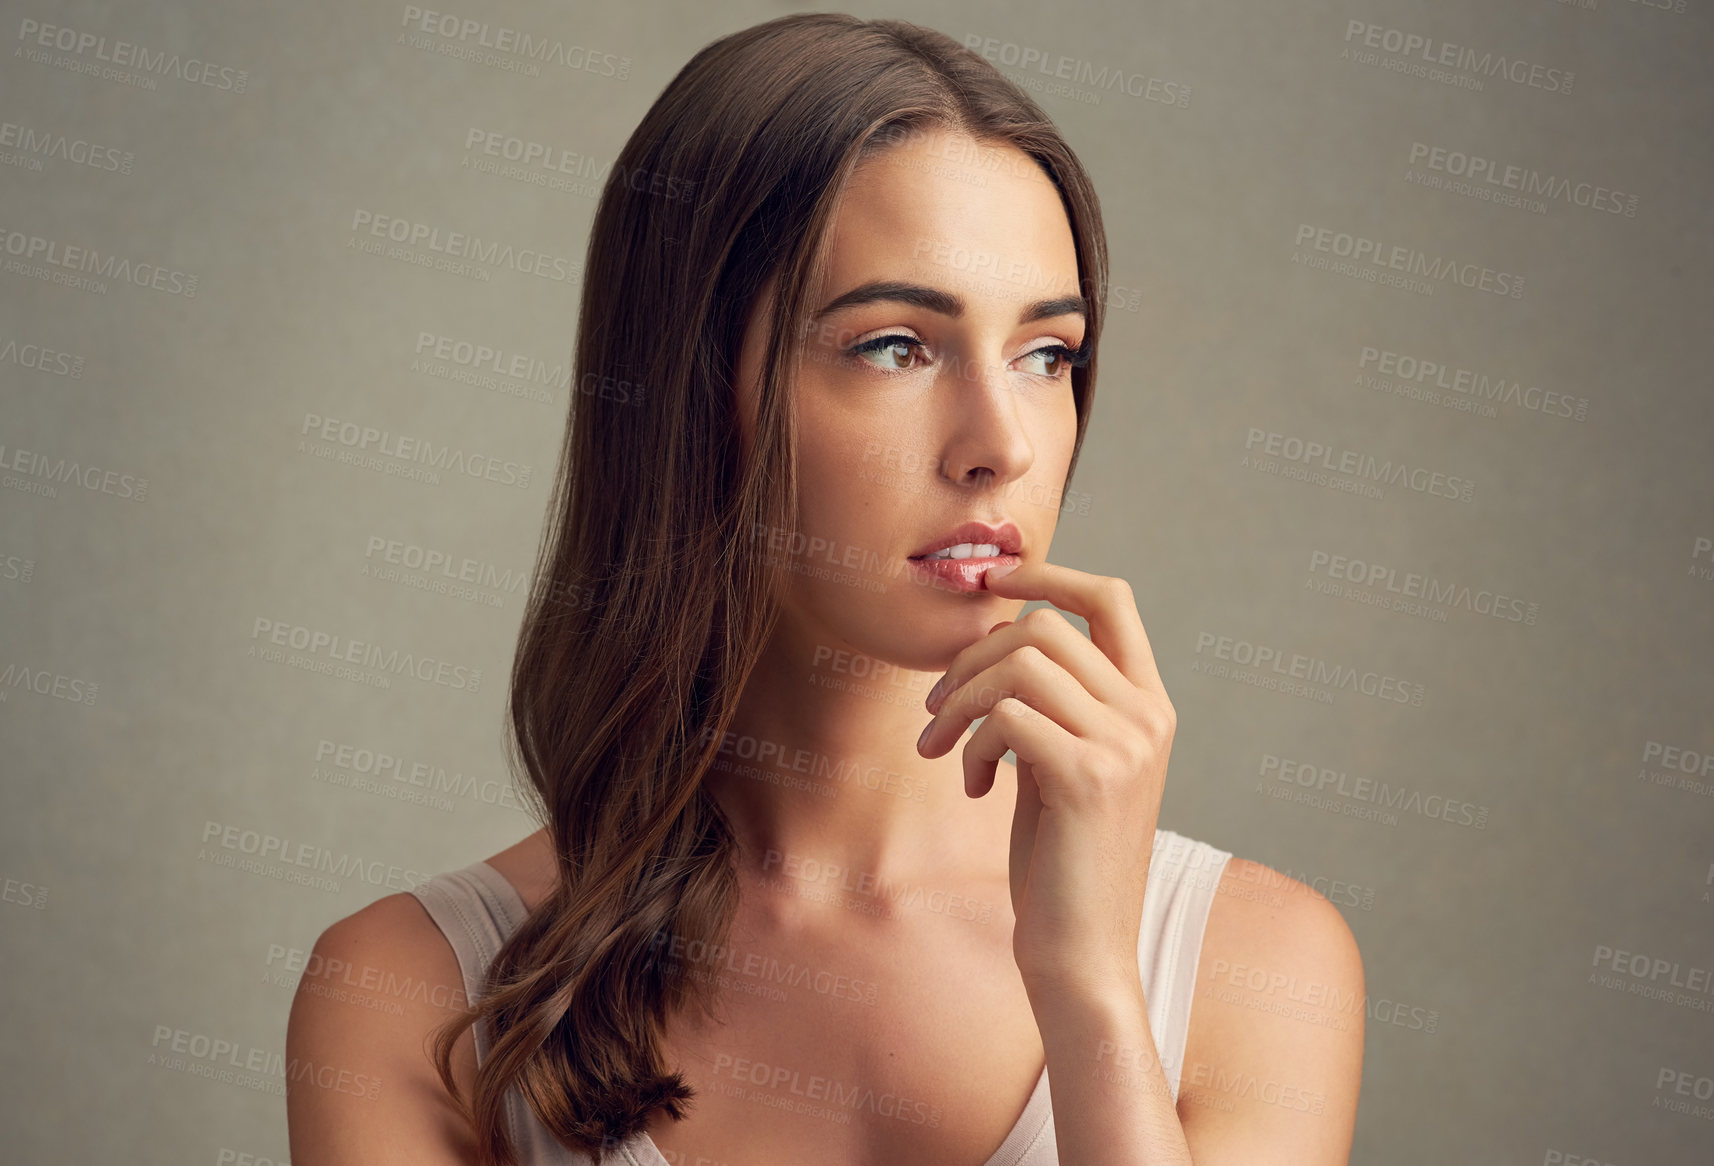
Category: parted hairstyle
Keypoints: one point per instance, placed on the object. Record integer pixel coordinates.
(653, 600)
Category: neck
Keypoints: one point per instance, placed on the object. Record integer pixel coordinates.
(820, 766)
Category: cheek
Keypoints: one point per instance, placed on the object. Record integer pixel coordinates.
(1066, 417)
(831, 485)
(848, 498)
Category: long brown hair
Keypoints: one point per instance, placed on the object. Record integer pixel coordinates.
(626, 676)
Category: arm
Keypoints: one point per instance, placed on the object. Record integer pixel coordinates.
(1092, 727)
(1274, 1057)
(1272, 1061)
(360, 1085)
(1111, 1103)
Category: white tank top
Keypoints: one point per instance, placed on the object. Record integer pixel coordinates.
(476, 909)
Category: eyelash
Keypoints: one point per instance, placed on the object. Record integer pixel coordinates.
(1075, 357)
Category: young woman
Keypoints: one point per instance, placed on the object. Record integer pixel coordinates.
(835, 362)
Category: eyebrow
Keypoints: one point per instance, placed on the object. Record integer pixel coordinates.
(945, 303)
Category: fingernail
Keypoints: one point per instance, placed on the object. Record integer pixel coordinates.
(923, 736)
(1002, 569)
(933, 695)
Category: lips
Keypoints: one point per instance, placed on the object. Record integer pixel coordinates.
(1005, 536)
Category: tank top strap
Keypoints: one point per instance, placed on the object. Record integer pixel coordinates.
(477, 909)
(1183, 877)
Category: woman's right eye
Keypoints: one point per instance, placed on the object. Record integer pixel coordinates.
(891, 350)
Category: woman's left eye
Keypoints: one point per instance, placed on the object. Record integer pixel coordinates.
(1054, 352)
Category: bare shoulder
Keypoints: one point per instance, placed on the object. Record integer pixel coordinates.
(361, 1084)
(1274, 1054)
(1259, 913)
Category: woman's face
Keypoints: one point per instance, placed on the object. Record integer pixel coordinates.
(943, 399)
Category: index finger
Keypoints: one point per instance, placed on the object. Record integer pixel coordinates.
(1106, 603)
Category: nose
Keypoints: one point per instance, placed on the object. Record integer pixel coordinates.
(986, 439)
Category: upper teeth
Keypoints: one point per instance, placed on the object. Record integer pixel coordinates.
(966, 551)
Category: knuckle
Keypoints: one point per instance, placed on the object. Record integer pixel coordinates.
(1031, 658)
(1138, 757)
(1157, 717)
(1136, 705)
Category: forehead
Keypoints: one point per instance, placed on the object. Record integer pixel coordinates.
(979, 218)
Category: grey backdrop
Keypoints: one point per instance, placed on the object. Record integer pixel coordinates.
(1407, 375)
